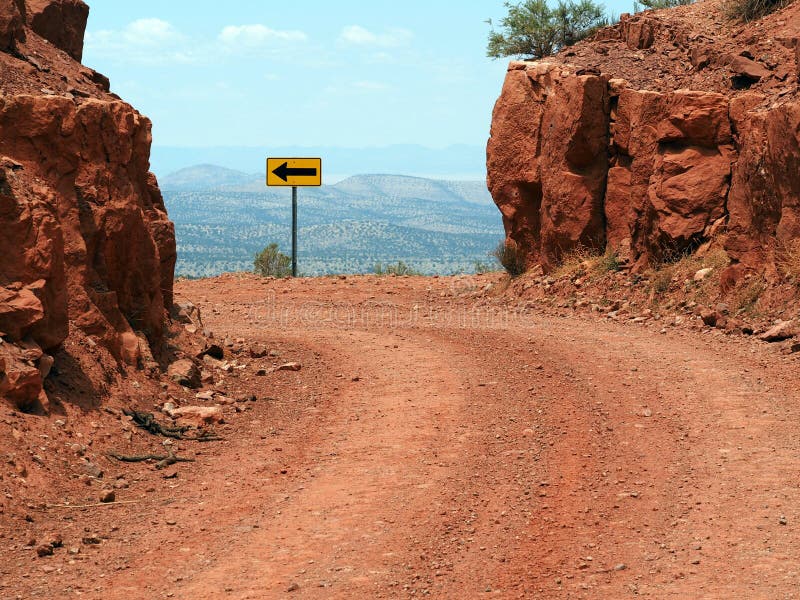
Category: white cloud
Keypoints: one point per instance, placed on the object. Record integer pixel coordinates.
(157, 42)
(257, 35)
(360, 36)
(144, 41)
(151, 31)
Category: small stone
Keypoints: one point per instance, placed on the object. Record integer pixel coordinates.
(620, 567)
(781, 331)
(214, 351)
(791, 347)
(291, 366)
(185, 373)
(702, 274)
(211, 361)
(647, 412)
(709, 317)
(258, 352)
(293, 587)
(198, 415)
(782, 520)
(91, 540)
(108, 496)
(92, 470)
(44, 550)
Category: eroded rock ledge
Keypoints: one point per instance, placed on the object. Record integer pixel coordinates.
(578, 157)
(87, 249)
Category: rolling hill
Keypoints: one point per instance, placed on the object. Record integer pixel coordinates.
(223, 217)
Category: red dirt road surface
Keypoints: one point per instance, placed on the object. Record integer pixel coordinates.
(438, 442)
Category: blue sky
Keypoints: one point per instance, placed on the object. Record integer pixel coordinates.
(301, 73)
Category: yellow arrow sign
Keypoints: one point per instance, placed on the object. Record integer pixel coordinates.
(291, 172)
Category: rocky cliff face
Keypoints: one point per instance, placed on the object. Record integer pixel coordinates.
(662, 132)
(87, 251)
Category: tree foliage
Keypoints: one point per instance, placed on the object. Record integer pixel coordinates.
(660, 3)
(533, 29)
(270, 262)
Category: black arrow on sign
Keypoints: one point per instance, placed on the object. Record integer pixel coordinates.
(284, 172)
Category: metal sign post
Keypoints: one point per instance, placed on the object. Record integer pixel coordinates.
(294, 173)
(294, 231)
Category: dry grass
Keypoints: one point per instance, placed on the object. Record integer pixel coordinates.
(680, 273)
(744, 298)
(585, 261)
(787, 259)
(511, 256)
(750, 10)
(661, 279)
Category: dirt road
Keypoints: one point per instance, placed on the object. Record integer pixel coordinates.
(439, 445)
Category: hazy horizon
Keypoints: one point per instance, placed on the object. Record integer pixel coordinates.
(457, 162)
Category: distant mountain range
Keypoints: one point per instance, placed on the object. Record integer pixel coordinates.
(206, 177)
(459, 162)
(224, 216)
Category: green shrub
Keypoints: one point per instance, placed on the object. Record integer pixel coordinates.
(608, 263)
(481, 268)
(534, 29)
(750, 10)
(509, 254)
(399, 268)
(270, 262)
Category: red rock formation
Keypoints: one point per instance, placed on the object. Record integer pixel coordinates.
(550, 192)
(580, 156)
(60, 22)
(12, 23)
(764, 202)
(672, 162)
(87, 244)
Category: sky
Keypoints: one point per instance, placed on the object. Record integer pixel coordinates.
(262, 73)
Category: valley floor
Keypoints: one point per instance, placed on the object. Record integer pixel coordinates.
(443, 445)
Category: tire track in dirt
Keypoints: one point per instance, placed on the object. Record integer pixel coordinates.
(525, 460)
(337, 530)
